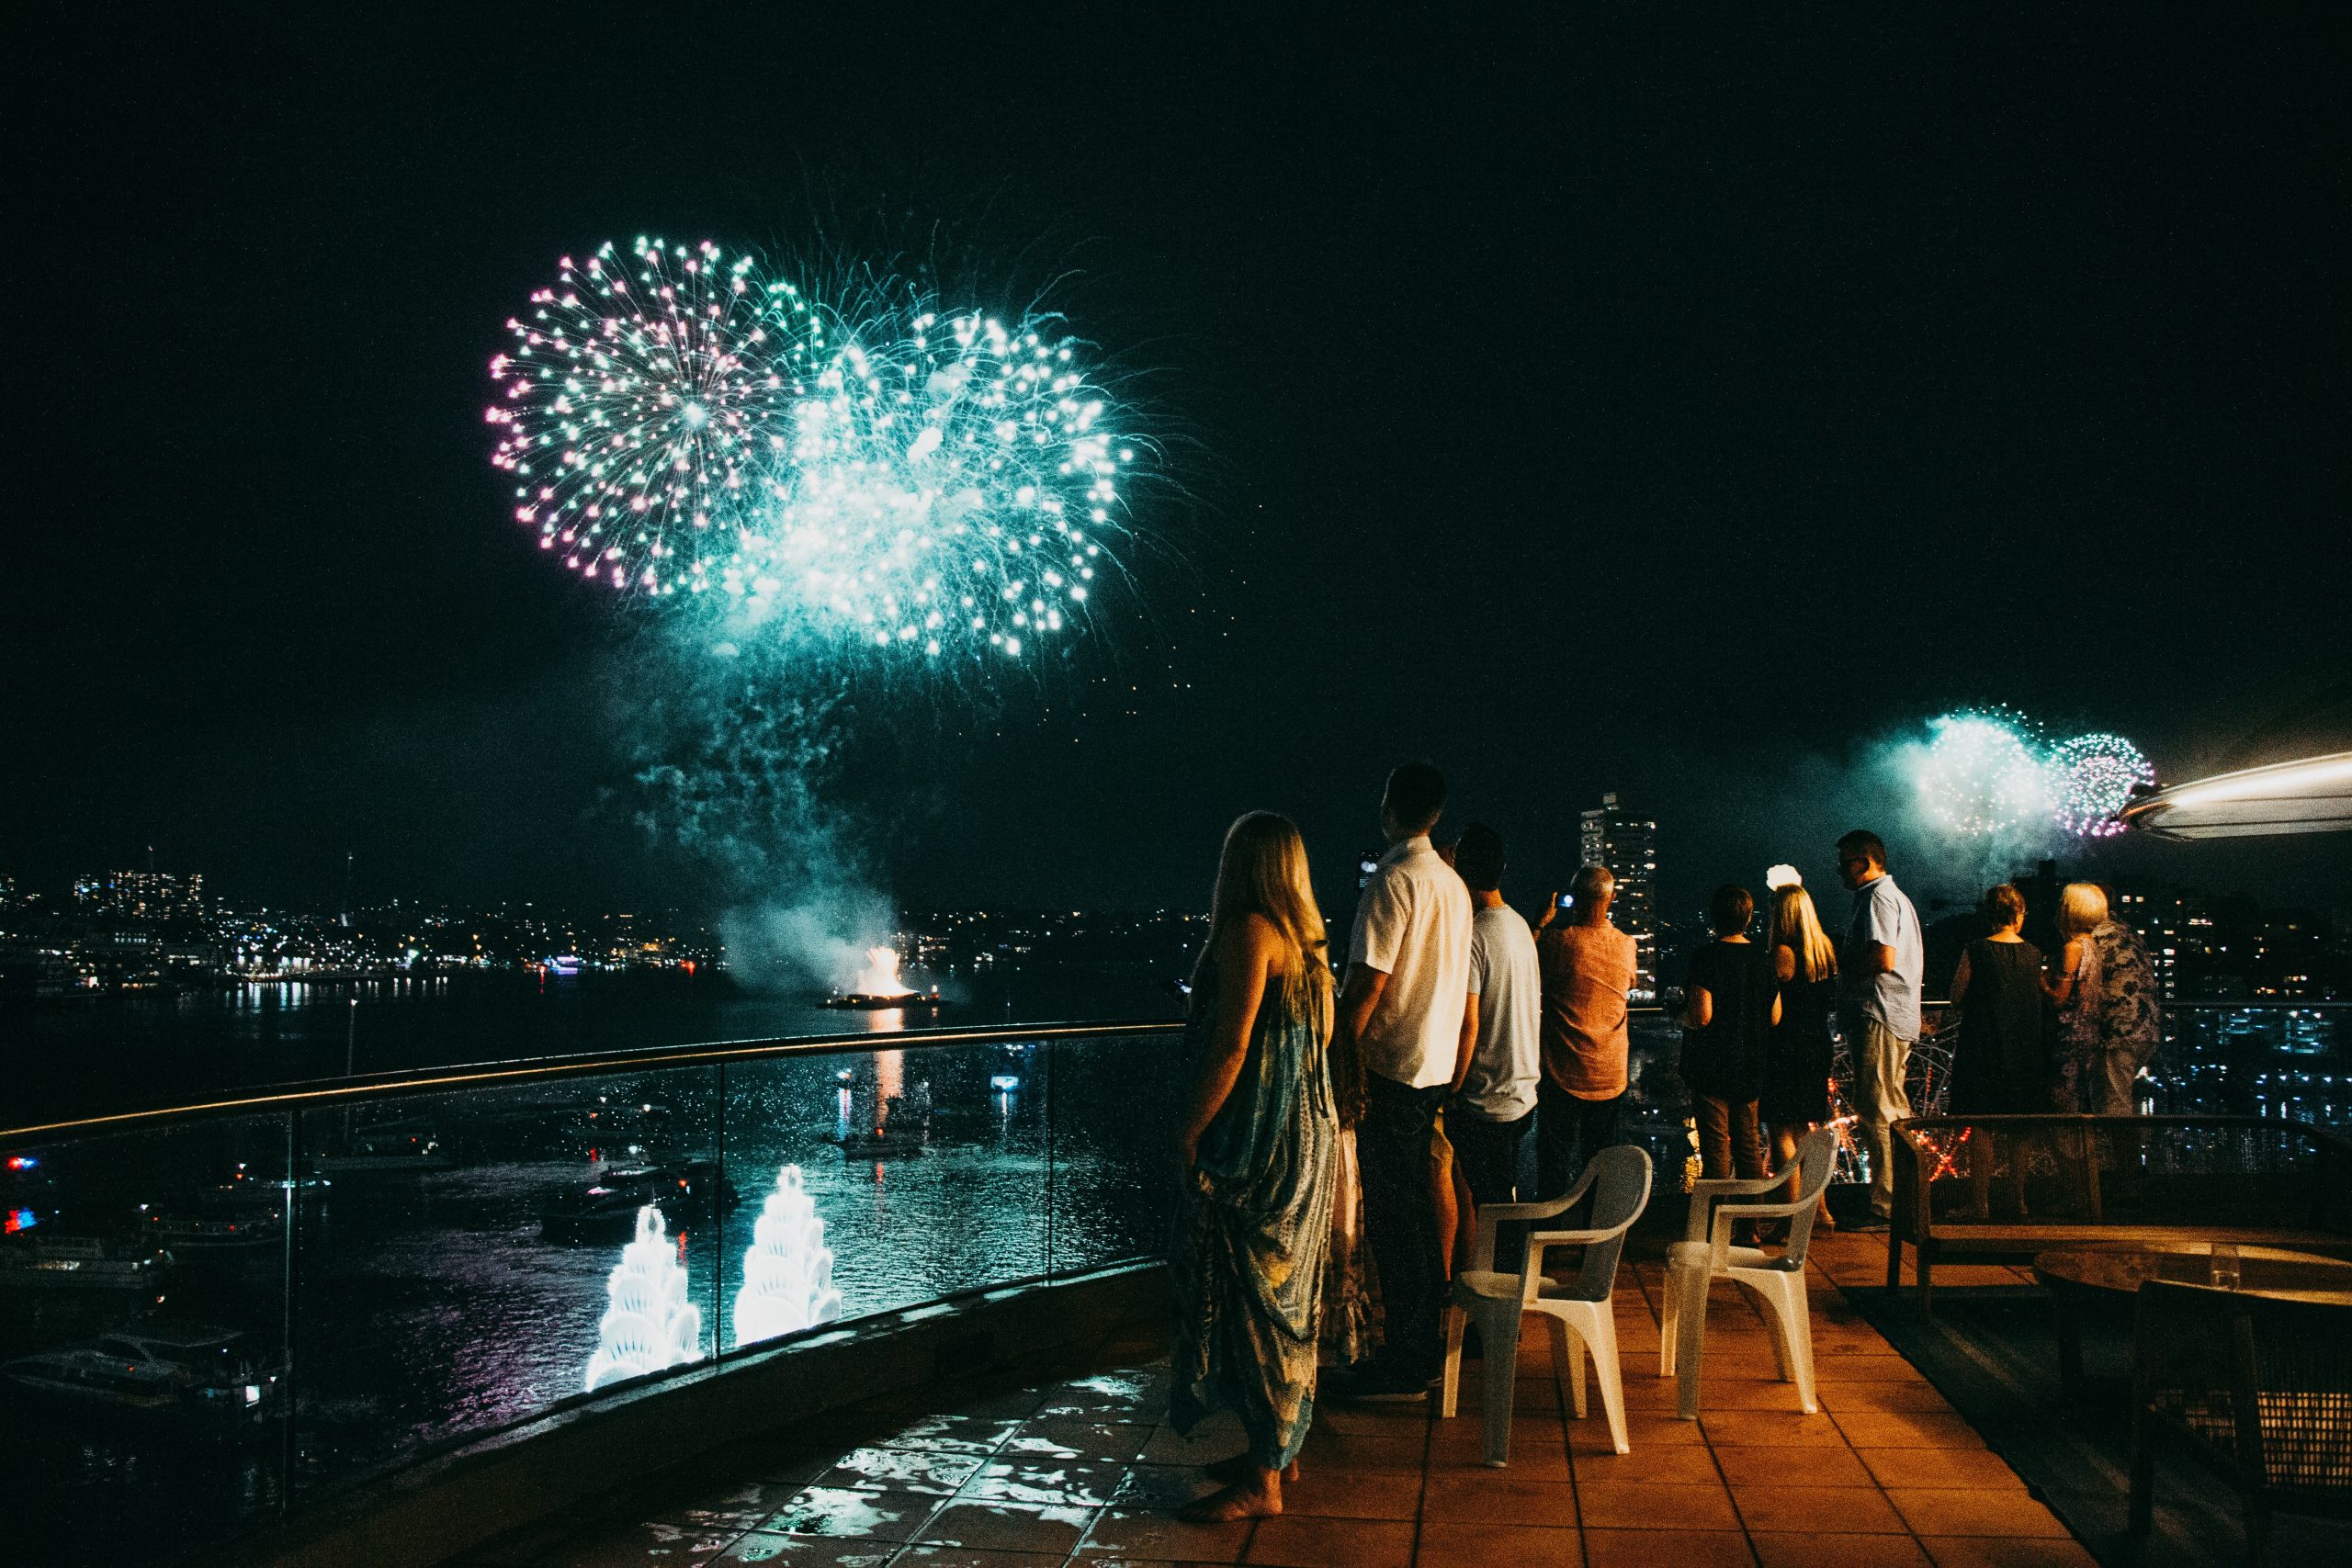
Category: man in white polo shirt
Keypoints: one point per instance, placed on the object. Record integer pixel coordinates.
(1406, 1016)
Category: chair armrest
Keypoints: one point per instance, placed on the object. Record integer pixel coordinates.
(1482, 1244)
(1702, 1191)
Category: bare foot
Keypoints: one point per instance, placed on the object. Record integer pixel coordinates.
(1260, 1497)
(1241, 1469)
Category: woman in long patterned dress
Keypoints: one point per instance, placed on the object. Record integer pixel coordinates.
(1253, 1222)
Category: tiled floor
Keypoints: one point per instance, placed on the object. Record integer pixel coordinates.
(1087, 1471)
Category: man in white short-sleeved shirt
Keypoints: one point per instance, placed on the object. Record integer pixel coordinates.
(1406, 1016)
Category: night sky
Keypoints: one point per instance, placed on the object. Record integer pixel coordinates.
(1667, 399)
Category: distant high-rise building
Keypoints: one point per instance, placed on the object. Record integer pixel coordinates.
(1627, 845)
(141, 894)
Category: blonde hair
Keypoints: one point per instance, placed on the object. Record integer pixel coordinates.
(1797, 926)
(2082, 908)
(1263, 871)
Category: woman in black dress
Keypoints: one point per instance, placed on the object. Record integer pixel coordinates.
(1796, 1068)
(1727, 1028)
(2000, 1062)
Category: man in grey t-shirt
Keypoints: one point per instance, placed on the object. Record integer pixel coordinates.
(1494, 1100)
(1880, 973)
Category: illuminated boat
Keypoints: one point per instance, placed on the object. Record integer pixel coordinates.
(201, 1374)
(215, 1232)
(607, 1210)
(82, 1263)
(388, 1148)
(868, 1001)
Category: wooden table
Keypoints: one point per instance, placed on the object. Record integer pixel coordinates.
(2078, 1275)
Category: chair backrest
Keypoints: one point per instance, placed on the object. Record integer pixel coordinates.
(1620, 1190)
(2263, 1382)
(1816, 1162)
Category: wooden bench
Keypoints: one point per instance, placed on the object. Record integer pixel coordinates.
(2002, 1188)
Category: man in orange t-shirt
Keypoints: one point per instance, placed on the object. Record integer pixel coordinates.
(1588, 966)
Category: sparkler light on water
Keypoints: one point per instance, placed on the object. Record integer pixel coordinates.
(1987, 771)
(880, 473)
(2093, 777)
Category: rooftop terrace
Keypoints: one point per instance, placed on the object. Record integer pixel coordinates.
(1084, 1469)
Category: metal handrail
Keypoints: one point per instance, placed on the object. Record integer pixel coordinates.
(371, 1086)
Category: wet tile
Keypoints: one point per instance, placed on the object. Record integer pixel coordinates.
(969, 1557)
(1824, 1550)
(1935, 1511)
(1906, 1429)
(1683, 1549)
(1153, 1537)
(1210, 1441)
(1164, 1487)
(1005, 1404)
(950, 1434)
(1044, 1484)
(1447, 1545)
(903, 1470)
(1975, 1468)
(1844, 1511)
(807, 1552)
(641, 1544)
(847, 1511)
(1108, 1396)
(1097, 1442)
(1007, 1527)
(1292, 1541)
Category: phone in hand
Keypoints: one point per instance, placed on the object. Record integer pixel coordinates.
(1567, 901)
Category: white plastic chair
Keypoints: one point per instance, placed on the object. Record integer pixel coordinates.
(1578, 1315)
(1777, 1283)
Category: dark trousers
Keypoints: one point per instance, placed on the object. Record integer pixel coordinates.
(1728, 1141)
(1488, 1153)
(1400, 1219)
(1569, 1133)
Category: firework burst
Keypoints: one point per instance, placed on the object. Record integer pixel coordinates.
(879, 473)
(640, 396)
(1980, 773)
(2091, 778)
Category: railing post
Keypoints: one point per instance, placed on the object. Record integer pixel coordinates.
(288, 1308)
(719, 1235)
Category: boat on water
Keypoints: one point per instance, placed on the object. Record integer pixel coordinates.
(252, 1227)
(387, 1148)
(191, 1373)
(867, 1001)
(607, 1210)
(82, 1263)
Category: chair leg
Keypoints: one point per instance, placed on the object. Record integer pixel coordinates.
(1454, 1323)
(1501, 1332)
(1690, 1339)
(1669, 1318)
(1600, 1336)
(1796, 1332)
(1570, 1347)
